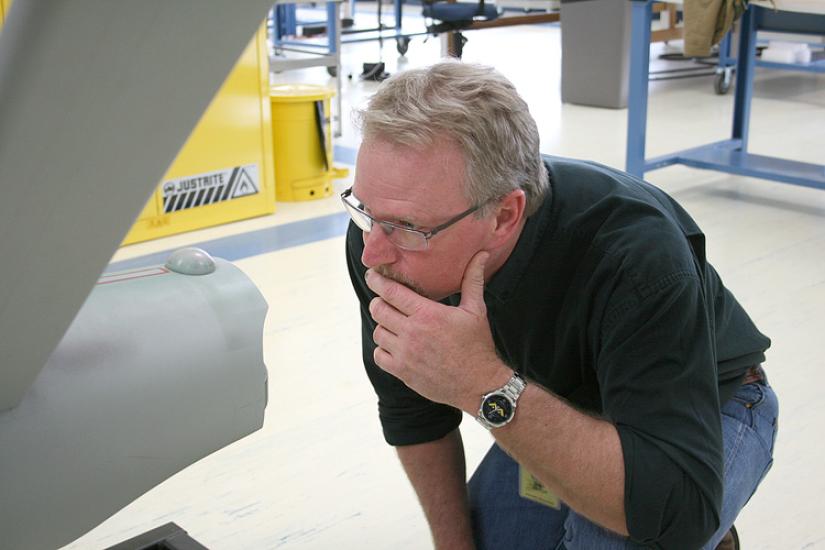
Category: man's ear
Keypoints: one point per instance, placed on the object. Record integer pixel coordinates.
(509, 215)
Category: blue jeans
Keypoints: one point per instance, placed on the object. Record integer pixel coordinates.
(503, 519)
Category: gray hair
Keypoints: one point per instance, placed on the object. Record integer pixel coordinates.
(477, 107)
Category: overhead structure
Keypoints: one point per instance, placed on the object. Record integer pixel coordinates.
(96, 99)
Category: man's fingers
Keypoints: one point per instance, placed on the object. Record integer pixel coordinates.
(384, 353)
(386, 315)
(383, 338)
(383, 359)
(397, 295)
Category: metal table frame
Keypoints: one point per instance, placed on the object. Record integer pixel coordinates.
(288, 24)
(729, 155)
(727, 62)
(321, 55)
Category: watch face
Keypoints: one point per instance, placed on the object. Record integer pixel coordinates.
(497, 409)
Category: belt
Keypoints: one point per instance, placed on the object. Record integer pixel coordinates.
(754, 374)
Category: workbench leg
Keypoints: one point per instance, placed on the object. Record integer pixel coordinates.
(637, 100)
(399, 14)
(725, 60)
(745, 67)
(333, 20)
(334, 42)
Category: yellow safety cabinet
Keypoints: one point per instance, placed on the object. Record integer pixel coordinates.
(4, 9)
(224, 172)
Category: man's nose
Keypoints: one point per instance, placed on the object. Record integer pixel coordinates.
(378, 250)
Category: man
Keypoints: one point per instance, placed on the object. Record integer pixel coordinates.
(570, 308)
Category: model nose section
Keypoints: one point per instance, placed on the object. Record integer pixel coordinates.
(158, 370)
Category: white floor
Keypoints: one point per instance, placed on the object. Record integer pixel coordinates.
(319, 475)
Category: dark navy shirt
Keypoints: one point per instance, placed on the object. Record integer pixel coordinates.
(609, 302)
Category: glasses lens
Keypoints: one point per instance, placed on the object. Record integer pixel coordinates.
(407, 239)
(360, 218)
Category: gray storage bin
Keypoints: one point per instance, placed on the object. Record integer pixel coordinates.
(595, 52)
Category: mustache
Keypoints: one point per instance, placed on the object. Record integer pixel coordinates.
(385, 271)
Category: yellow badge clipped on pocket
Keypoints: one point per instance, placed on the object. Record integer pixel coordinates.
(532, 489)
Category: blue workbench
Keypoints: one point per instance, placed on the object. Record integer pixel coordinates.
(730, 155)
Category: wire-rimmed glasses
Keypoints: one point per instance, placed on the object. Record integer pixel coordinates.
(404, 237)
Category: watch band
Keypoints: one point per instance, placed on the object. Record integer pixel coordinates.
(514, 386)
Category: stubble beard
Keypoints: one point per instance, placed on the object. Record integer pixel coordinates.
(385, 271)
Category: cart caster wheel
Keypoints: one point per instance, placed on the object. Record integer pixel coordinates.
(402, 44)
(332, 71)
(722, 81)
(460, 41)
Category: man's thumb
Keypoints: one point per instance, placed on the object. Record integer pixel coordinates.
(472, 286)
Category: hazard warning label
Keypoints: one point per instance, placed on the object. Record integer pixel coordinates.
(203, 189)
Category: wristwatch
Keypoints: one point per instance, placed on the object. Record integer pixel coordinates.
(498, 407)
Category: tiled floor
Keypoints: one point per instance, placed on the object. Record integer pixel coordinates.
(319, 476)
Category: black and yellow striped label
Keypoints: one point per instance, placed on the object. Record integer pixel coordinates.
(210, 188)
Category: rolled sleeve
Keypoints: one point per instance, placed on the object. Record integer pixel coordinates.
(657, 371)
(665, 507)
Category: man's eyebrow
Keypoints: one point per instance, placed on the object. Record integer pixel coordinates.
(406, 220)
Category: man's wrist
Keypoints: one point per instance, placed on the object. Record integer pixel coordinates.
(499, 374)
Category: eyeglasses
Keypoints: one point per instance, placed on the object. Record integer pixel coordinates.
(401, 236)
